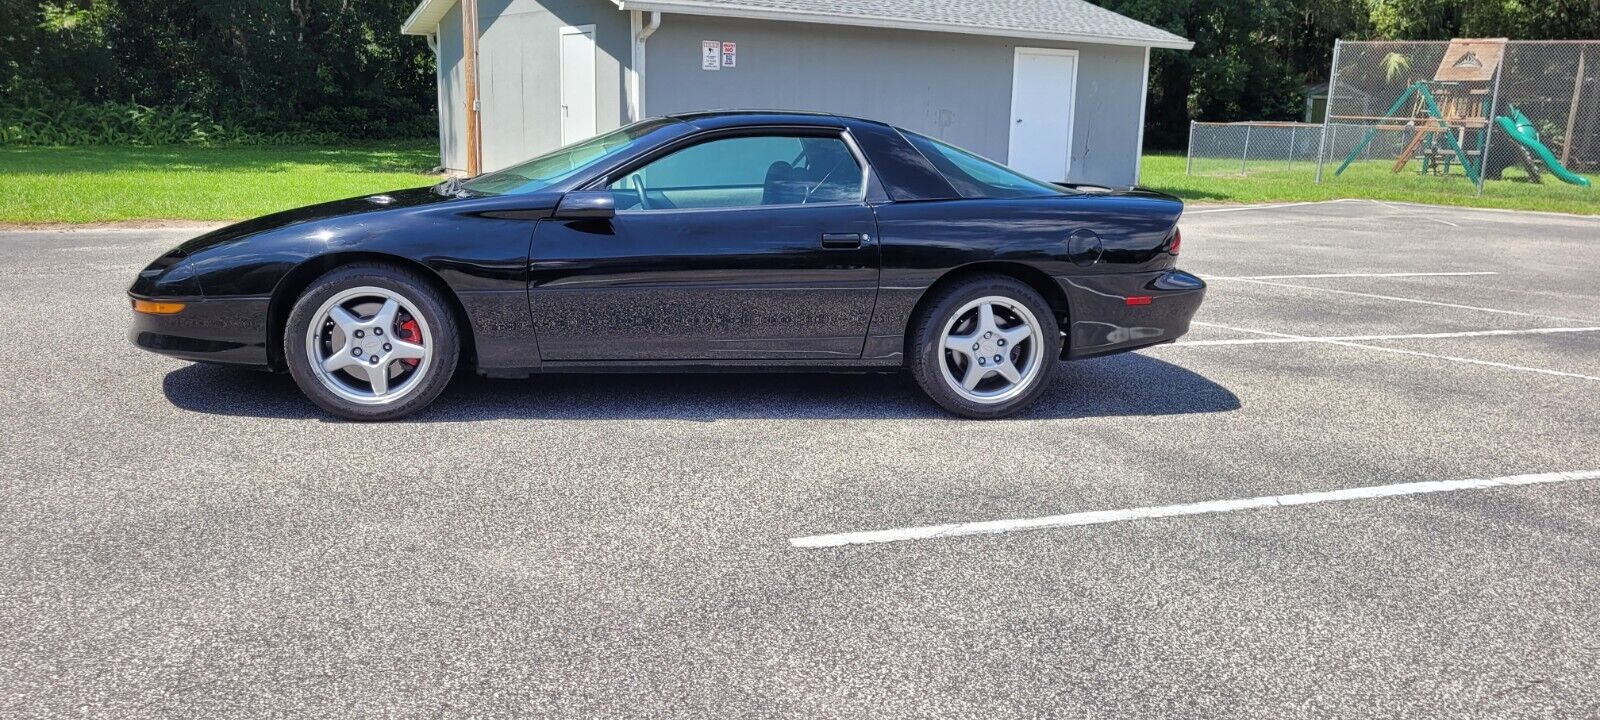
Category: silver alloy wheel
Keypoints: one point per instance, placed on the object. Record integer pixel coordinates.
(356, 349)
(990, 352)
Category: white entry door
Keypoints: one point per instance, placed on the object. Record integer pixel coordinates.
(1044, 85)
(577, 84)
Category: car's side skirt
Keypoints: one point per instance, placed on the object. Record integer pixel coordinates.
(696, 366)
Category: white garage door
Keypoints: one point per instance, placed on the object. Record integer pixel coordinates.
(1043, 91)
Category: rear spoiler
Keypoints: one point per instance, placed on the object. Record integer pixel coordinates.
(1135, 191)
(1085, 187)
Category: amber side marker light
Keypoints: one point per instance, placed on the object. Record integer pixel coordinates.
(151, 307)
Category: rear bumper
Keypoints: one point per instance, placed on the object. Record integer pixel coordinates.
(220, 330)
(1102, 321)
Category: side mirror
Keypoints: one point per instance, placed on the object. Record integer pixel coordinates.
(586, 205)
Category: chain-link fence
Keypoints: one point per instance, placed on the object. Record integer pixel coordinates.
(1242, 148)
(1482, 115)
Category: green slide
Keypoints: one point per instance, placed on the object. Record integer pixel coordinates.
(1523, 133)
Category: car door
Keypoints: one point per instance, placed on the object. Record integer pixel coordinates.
(756, 245)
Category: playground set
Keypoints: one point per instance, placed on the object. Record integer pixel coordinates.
(1449, 124)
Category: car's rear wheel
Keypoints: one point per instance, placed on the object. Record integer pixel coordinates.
(985, 347)
(371, 342)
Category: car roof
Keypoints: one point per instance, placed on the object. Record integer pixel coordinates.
(713, 119)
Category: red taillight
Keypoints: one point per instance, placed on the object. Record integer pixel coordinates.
(1138, 300)
(1177, 241)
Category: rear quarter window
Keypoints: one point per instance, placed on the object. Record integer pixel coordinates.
(975, 176)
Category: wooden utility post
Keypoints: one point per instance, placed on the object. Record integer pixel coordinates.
(469, 53)
(1572, 110)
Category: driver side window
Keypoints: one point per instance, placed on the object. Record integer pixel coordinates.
(750, 171)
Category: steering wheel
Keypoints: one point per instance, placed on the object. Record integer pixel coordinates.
(637, 181)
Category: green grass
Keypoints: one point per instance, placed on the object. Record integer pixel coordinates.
(1371, 180)
(118, 184)
(114, 184)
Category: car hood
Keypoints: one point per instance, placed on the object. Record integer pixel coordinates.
(349, 207)
(251, 257)
(174, 274)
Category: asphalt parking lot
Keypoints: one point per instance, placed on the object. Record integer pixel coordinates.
(181, 541)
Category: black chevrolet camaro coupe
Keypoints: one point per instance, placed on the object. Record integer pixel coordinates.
(709, 240)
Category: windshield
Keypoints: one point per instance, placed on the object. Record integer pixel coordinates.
(551, 168)
(976, 176)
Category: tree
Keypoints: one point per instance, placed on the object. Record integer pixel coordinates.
(269, 65)
(1532, 19)
(1251, 59)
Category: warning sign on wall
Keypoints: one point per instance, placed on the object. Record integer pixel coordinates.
(730, 54)
(710, 55)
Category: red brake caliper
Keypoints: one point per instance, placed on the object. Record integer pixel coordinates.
(410, 333)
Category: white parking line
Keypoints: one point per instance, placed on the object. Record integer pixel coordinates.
(990, 527)
(1415, 300)
(1357, 338)
(1399, 351)
(1399, 205)
(1209, 278)
(1424, 217)
(1267, 206)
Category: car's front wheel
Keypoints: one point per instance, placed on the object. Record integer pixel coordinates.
(371, 342)
(985, 347)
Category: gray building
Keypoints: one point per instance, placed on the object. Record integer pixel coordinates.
(1054, 88)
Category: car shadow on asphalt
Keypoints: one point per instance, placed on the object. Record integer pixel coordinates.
(1122, 385)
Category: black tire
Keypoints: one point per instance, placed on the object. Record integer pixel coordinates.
(926, 355)
(443, 340)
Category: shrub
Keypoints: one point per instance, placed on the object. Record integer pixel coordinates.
(31, 118)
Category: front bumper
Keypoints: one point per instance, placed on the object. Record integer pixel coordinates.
(218, 330)
(1102, 321)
